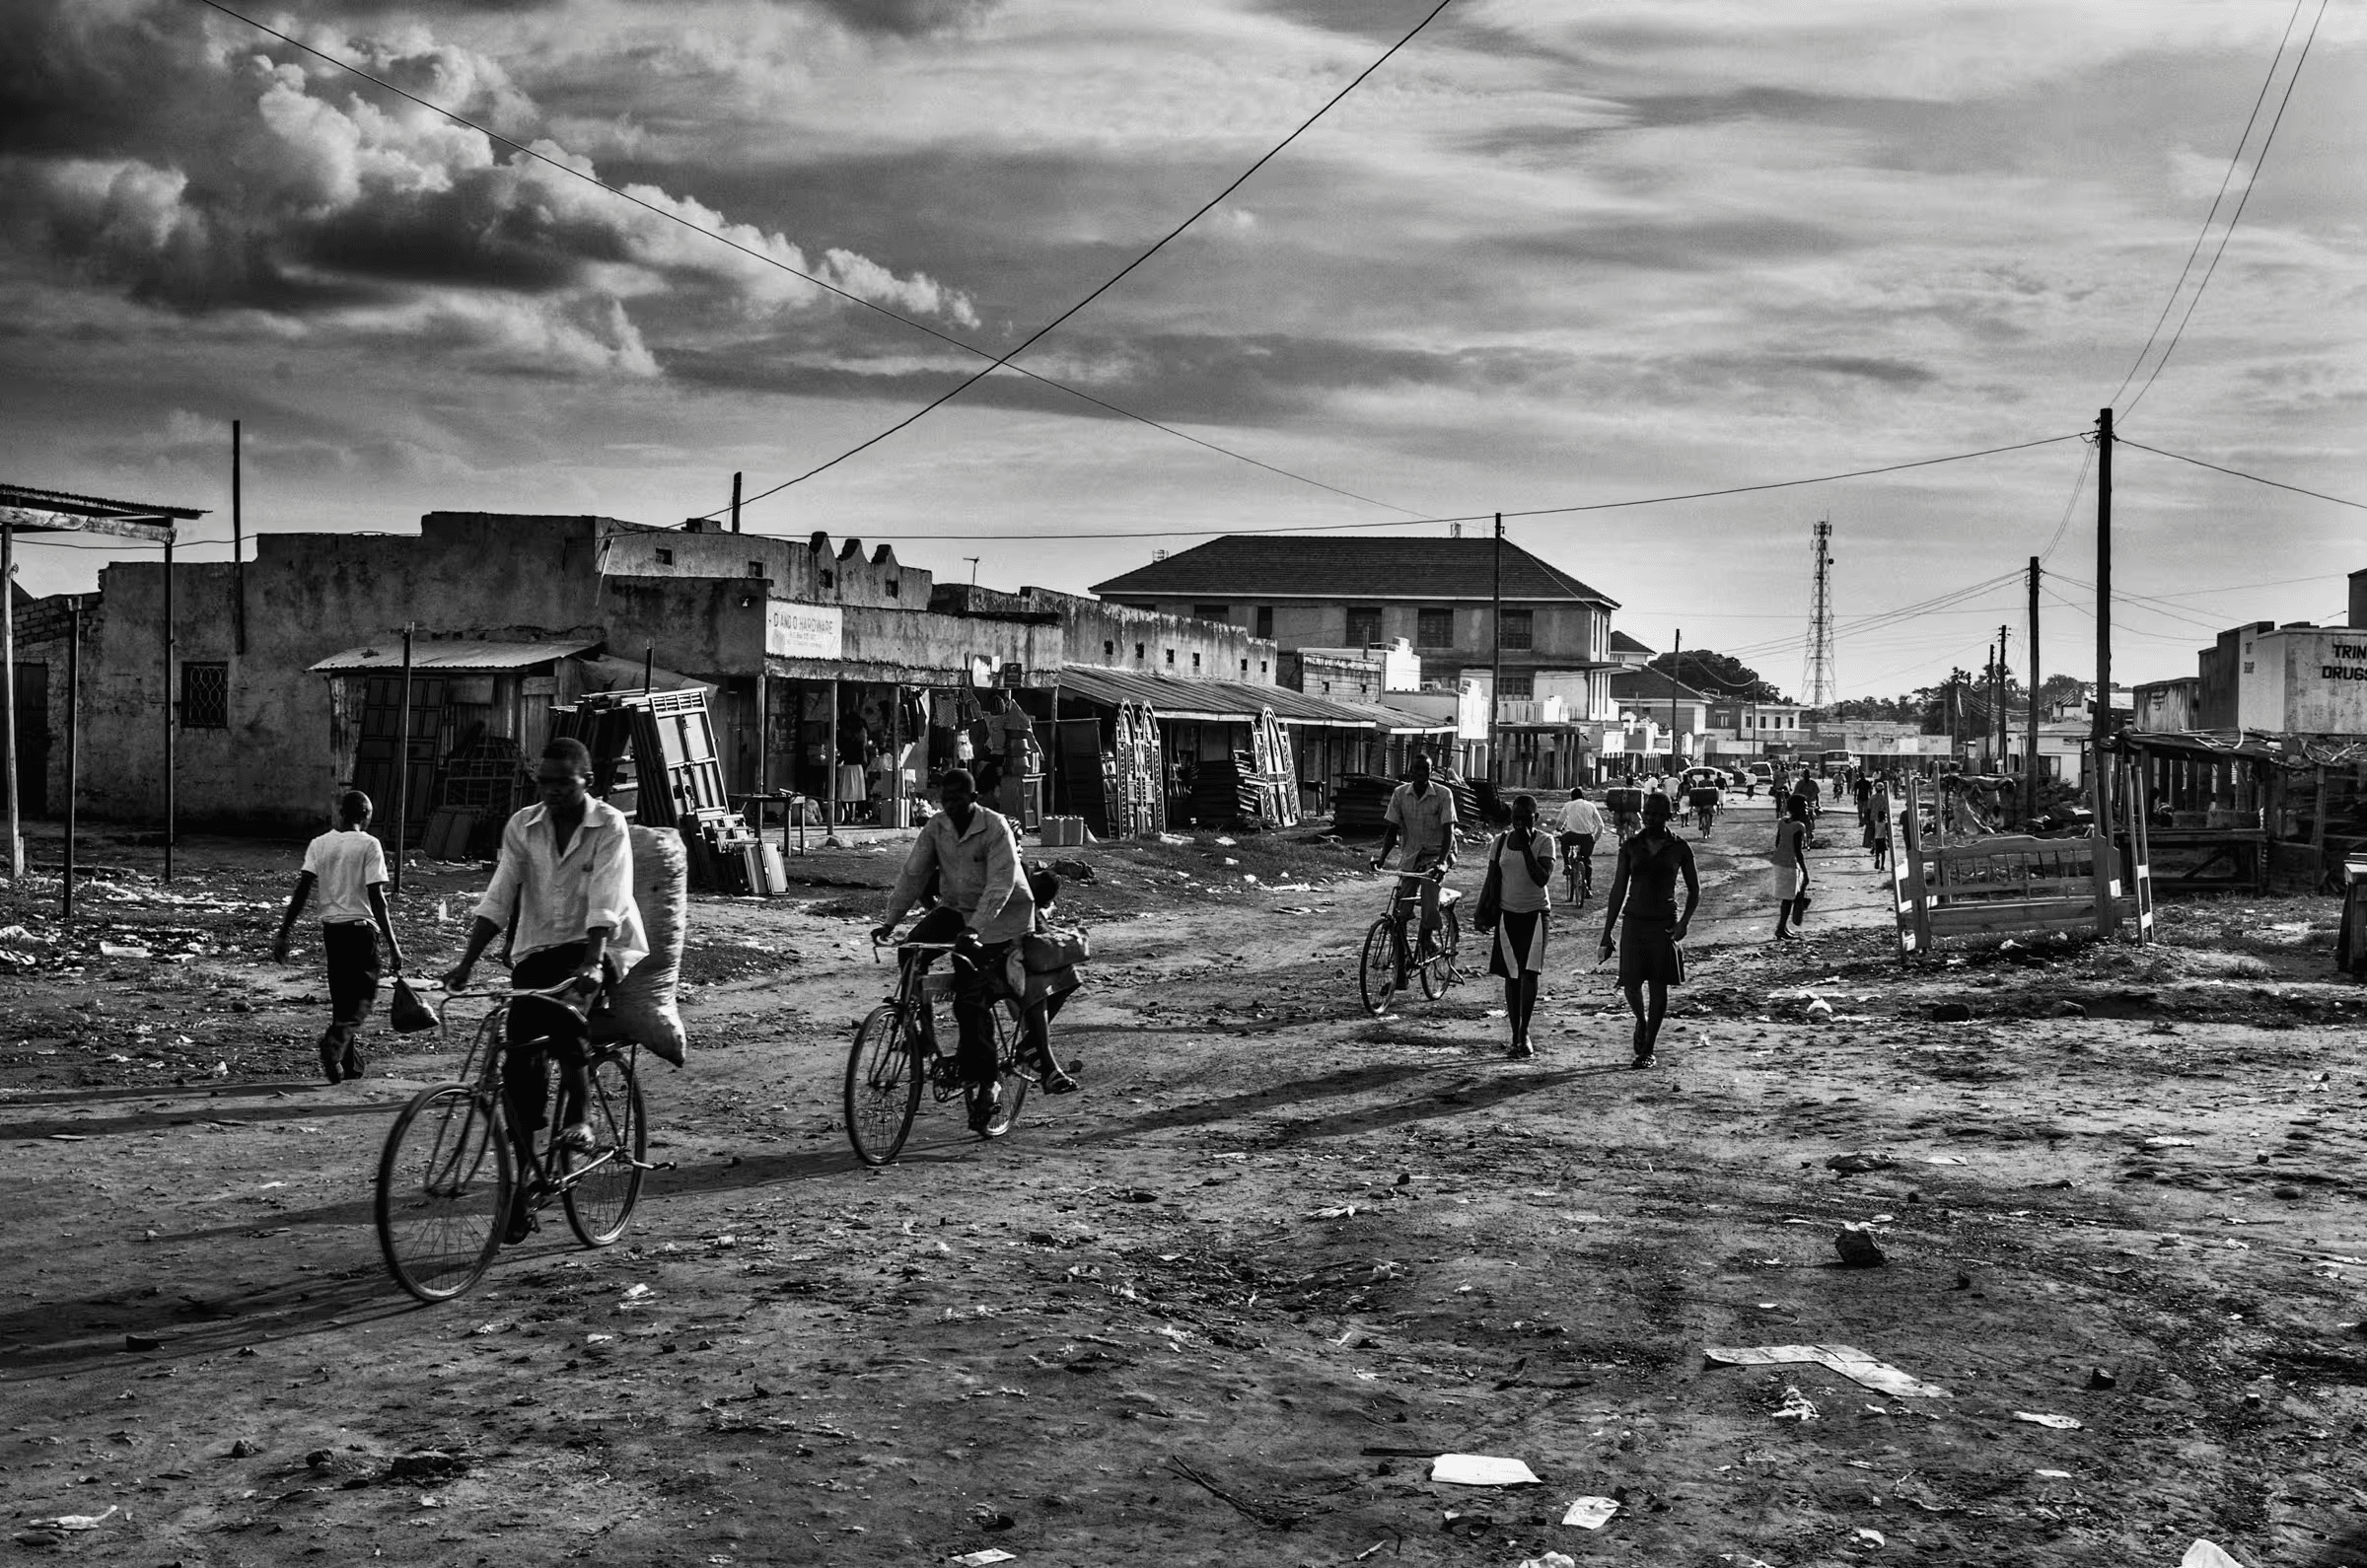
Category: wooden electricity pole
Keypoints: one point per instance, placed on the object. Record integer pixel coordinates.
(2005, 739)
(2029, 744)
(2100, 718)
(1495, 682)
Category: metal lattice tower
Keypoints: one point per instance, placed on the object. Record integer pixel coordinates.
(1816, 678)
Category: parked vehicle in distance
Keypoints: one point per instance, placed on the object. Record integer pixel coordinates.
(1759, 773)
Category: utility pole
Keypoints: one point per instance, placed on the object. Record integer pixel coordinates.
(238, 547)
(735, 503)
(1496, 681)
(2030, 745)
(1676, 663)
(2100, 717)
(2005, 740)
(1989, 683)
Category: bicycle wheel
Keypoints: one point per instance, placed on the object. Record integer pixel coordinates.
(1438, 966)
(882, 1085)
(443, 1190)
(1378, 975)
(598, 1189)
(1010, 1078)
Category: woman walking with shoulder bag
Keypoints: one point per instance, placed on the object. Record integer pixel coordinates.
(1522, 865)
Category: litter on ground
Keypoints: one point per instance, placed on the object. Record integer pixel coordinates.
(1846, 1360)
(1481, 1469)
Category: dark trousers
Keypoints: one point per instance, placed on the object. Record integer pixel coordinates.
(976, 988)
(538, 1031)
(350, 948)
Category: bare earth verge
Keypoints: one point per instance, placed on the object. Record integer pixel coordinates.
(1222, 1305)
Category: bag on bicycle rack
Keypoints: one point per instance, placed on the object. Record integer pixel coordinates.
(1490, 907)
(407, 1013)
(1053, 948)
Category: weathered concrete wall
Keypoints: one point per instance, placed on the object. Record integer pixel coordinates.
(813, 569)
(919, 647)
(1118, 636)
(2308, 681)
(708, 627)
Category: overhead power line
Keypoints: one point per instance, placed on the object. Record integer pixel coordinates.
(2237, 473)
(1114, 278)
(824, 284)
(2259, 161)
(2235, 160)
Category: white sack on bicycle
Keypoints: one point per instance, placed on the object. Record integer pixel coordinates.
(642, 1005)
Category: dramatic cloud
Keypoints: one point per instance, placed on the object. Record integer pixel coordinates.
(251, 177)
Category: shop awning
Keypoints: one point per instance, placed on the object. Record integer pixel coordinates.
(452, 655)
(1213, 701)
(1397, 721)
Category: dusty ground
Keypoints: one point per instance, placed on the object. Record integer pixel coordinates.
(1219, 1306)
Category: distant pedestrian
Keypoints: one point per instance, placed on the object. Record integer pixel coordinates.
(1875, 814)
(1524, 856)
(1644, 890)
(348, 868)
(1791, 868)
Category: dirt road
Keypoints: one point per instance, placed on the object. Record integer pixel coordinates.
(1222, 1305)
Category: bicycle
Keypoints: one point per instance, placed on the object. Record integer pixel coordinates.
(1389, 960)
(1578, 869)
(896, 1054)
(445, 1176)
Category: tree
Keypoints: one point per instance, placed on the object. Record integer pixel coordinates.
(1705, 670)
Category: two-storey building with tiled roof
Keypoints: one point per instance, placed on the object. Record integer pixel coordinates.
(1439, 595)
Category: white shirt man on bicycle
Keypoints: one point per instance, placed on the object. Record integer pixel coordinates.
(983, 907)
(1422, 814)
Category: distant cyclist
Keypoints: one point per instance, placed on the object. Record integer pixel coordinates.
(1580, 825)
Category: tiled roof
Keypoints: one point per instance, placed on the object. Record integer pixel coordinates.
(1247, 566)
(1620, 642)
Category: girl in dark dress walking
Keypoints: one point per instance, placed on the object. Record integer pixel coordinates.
(1643, 890)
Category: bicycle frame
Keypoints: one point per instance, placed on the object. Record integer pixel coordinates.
(481, 1070)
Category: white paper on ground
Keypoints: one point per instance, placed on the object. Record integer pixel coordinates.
(2204, 1554)
(1590, 1512)
(980, 1559)
(2061, 1424)
(1481, 1469)
(1849, 1362)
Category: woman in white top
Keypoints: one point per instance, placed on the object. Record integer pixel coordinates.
(1525, 856)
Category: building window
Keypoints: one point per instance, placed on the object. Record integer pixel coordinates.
(1109, 650)
(1520, 684)
(1196, 660)
(1139, 652)
(1262, 666)
(756, 568)
(1434, 628)
(1364, 625)
(1265, 620)
(1170, 656)
(829, 579)
(205, 696)
(665, 556)
(1244, 666)
(891, 587)
(1212, 612)
(1519, 629)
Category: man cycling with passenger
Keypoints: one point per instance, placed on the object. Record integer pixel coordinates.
(1421, 811)
(984, 907)
(566, 880)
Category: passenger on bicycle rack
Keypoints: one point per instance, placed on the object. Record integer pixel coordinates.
(566, 877)
(1423, 814)
(984, 906)
(1581, 824)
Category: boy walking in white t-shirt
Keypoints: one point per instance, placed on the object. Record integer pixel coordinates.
(349, 868)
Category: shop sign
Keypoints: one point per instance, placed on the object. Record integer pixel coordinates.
(804, 631)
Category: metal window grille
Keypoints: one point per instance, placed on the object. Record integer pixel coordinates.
(205, 696)
(1519, 627)
(1364, 626)
(1435, 628)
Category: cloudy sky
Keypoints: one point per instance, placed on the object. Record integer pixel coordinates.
(1551, 254)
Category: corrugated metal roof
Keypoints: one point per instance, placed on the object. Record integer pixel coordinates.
(1224, 701)
(1252, 566)
(1397, 721)
(453, 655)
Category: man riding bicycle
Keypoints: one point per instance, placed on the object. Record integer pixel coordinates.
(983, 907)
(1422, 813)
(1581, 823)
(566, 877)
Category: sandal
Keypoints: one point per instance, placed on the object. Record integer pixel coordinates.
(576, 1138)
